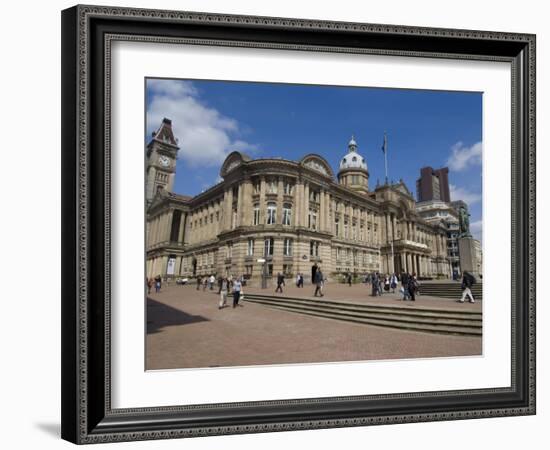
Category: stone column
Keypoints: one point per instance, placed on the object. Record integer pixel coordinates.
(328, 219)
(279, 215)
(322, 210)
(152, 232)
(165, 232)
(181, 232)
(296, 207)
(211, 233)
(306, 204)
(155, 235)
(262, 201)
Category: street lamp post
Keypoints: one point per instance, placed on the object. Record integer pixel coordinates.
(264, 274)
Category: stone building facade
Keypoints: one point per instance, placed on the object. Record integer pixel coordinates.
(292, 216)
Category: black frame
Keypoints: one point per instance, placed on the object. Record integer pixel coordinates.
(87, 416)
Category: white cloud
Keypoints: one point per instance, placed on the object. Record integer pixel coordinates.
(205, 135)
(463, 157)
(460, 193)
(476, 229)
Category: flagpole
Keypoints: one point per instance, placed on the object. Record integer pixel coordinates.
(385, 148)
(386, 155)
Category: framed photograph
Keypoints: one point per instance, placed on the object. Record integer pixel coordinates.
(280, 224)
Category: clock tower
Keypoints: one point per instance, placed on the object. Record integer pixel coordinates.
(161, 154)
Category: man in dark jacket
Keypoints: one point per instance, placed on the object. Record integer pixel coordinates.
(318, 280)
(412, 287)
(405, 285)
(280, 282)
(468, 281)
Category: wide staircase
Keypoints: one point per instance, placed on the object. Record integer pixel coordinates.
(449, 289)
(443, 321)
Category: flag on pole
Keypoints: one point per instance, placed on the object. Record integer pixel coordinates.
(385, 144)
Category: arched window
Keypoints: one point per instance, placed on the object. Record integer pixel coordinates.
(271, 213)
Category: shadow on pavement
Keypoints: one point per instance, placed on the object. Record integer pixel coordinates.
(160, 315)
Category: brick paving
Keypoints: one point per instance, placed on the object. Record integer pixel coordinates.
(185, 329)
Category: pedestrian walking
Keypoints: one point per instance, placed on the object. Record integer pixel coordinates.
(220, 282)
(150, 283)
(375, 285)
(301, 283)
(386, 284)
(405, 285)
(468, 281)
(237, 290)
(280, 282)
(380, 284)
(158, 283)
(322, 277)
(224, 289)
(199, 282)
(318, 280)
(349, 279)
(211, 282)
(393, 282)
(412, 287)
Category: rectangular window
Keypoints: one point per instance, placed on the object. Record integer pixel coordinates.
(287, 214)
(230, 250)
(312, 219)
(268, 246)
(314, 248)
(287, 270)
(271, 213)
(234, 219)
(287, 247)
(346, 228)
(337, 227)
(256, 214)
(250, 247)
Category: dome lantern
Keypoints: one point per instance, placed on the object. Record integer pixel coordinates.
(353, 168)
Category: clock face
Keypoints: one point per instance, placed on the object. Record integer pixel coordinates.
(164, 161)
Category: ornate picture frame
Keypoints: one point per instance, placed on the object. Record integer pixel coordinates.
(87, 35)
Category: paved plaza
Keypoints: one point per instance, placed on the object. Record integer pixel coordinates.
(185, 329)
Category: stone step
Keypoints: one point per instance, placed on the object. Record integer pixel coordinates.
(421, 312)
(449, 290)
(381, 315)
(393, 319)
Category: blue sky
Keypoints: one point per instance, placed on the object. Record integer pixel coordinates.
(424, 128)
